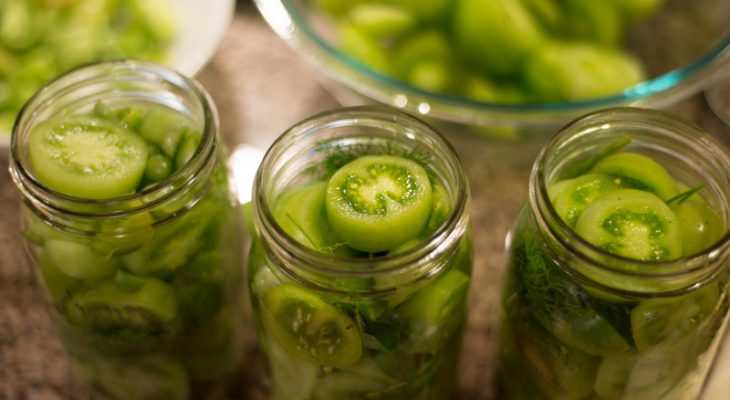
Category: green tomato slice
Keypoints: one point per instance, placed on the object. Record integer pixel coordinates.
(164, 127)
(666, 321)
(589, 331)
(78, 260)
(636, 171)
(375, 203)
(701, 225)
(141, 378)
(139, 306)
(649, 375)
(292, 378)
(634, 224)
(362, 380)
(301, 213)
(87, 157)
(438, 301)
(560, 371)
(57, 283)
(308, 327)
(435, 313)
(570, 197)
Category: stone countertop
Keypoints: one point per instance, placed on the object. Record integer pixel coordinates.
(261, 88)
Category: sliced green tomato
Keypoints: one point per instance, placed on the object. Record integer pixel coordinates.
(308, 327)
(560, 371)
(158, 168)
(301, 213)
(164, 127)
(650, 375)
(375, 203)
(87, 157)
(669, 321)
(123, 235)
(292, 377)
(405, 246)
(571, 197)
(438, 301)
(636, 171)
(172, 245)
(588, 331)
(141, 378)
(129, 117)
(188, 146)
(701, 225)
(362, 380)
(150, 304)
(633, 224)
(78, 260)
(435, 313)
(56, 282)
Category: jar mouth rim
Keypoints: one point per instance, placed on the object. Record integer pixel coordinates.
(38, 191)
(596, 256)
(325, 263)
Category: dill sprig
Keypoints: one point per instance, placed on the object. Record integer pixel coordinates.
(682, 197)
(550, 294)
(543, 285)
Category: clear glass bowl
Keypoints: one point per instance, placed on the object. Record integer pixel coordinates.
(684, 47)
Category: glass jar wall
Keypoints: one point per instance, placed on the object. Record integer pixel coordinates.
(132, 229)
(617, 280)
(360, 268)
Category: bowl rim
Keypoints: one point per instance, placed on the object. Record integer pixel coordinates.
(657, 92)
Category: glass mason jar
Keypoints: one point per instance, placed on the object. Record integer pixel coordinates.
(583, 320)
(375, 321)
(145, 287)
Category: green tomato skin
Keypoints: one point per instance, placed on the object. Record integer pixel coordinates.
(562, 71)
(637, 171)
(496, 35)
(701, 226)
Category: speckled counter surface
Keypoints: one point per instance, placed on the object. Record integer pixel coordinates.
(261, 87)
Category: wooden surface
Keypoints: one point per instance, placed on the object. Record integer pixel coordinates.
(261, 87)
